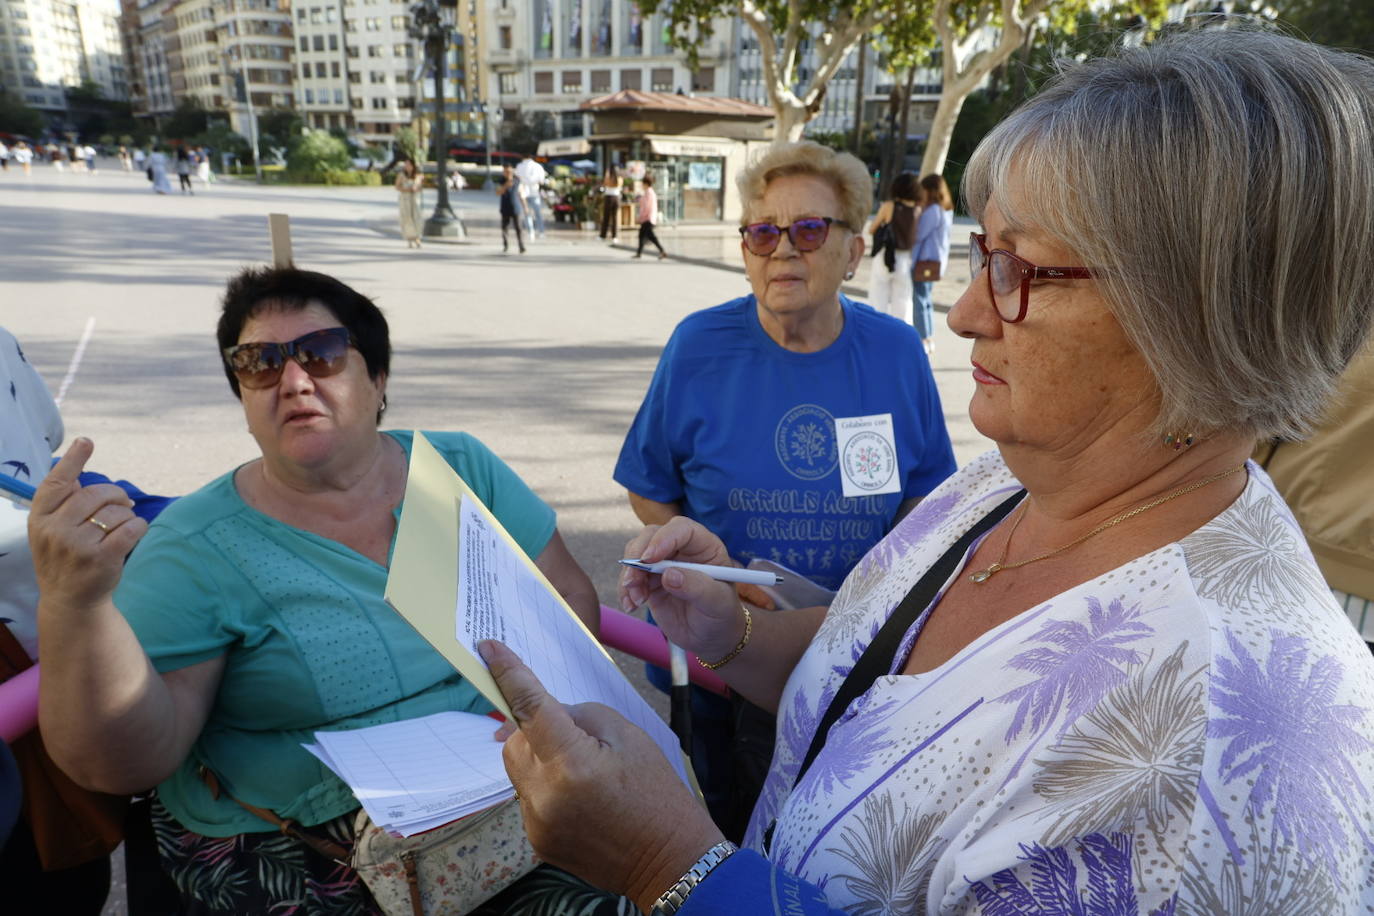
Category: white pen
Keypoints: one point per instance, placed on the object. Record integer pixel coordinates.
(719, 573)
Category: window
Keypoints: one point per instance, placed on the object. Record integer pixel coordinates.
(403, 50)
(315, 15)
(572, 81)
(305, 43)
(376, 77)
(333, 42)
(350, 25)
(330, 14)
(355, 77)
(504, 37)
(381, 104)
(376, 51)
(319, 42)
(661, 79)
(405, 101)
(704, 80)
(338, 97)
(373, 24)
(300, 14)
(320, 70)
(334, 69)
(352, 52)
(508, 84)
(543, 81)
(400, 23)
(630, 79)
(601, 81)
(310, 96)
(357, 102)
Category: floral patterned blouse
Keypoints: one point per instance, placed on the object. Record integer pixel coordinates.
(1192, 732)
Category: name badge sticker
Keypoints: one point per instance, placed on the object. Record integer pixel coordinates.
(867, 455)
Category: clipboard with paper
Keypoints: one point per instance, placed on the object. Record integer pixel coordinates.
(458, 577)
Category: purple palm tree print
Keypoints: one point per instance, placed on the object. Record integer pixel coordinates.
(1109, 888)
(1082, 663)
(1284, 729)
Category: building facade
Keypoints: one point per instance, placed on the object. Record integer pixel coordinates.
(47, 46)
(547, 57)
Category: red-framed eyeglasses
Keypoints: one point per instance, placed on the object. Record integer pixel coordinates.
(1008, 272)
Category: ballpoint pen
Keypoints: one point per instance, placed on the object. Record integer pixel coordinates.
(719, 573)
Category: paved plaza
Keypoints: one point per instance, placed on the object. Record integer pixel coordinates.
(113, 292)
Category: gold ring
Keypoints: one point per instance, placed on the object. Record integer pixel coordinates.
(98, 523)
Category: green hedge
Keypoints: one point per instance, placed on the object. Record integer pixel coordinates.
(353, 178)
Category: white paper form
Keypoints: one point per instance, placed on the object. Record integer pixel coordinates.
(500, 598)
(419, 773)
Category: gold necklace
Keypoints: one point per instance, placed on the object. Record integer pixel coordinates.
(984, 575)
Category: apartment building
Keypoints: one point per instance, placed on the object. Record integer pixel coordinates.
(49, 45)
(256, 47)
(550, 56)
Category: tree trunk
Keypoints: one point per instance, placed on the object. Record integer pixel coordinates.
(906, 121)
(859, 99)
(941, 130)
(792, 118)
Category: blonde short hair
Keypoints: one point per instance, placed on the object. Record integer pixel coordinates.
(846, 174)
(1222, 184)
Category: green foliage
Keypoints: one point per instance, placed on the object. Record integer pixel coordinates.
(223, 140)
(408, 143)
(18, 118)
(189, 120)
(1347, 24)
(352, 178)
(314, 153)
(88, 91)
(475, 181)
(278, 127)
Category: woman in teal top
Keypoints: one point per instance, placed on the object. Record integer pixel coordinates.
(251, 613)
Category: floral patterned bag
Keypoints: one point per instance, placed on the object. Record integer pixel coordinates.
(446, 871)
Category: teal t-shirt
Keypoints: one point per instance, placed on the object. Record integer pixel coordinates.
(308, 640)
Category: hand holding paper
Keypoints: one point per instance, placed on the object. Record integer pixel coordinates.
(595, 791)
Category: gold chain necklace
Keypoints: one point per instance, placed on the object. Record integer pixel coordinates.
(984, 575)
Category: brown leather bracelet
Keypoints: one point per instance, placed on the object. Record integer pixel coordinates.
(739, 647)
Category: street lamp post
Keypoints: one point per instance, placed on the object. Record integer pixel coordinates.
(432, 23)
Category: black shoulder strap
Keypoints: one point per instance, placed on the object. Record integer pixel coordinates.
(877, 659)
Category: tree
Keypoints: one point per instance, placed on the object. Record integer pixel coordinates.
(18, 118)
(189, 119)
(784, 30)
(315, 152)
(1345, 24)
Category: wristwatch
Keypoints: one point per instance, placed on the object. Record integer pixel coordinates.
(676, 896)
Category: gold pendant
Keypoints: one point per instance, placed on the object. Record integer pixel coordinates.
(984, 575)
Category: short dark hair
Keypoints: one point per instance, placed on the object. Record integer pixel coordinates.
(256, 289)
(904, 186)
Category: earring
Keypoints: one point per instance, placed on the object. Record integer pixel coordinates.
(849, 276)
(1178, 441)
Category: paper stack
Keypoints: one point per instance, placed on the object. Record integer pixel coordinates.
(419, 774)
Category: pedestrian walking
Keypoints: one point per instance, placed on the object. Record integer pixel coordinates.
(532, 177)
(930, 260)
(4, 157)
(409, 185)
(59, 161)
(75, 159)
(610, 202)
(125, 160)
(88, 154)
(23, 155)
(648, 213)
(512, 208)
(894, 234)
(140, 158)
(157, 172)
(184, 171)
(203, 166)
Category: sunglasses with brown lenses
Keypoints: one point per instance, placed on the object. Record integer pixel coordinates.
(320, 353)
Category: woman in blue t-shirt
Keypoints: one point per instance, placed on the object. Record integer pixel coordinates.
(794, 423)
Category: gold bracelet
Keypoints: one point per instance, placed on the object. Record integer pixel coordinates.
(743, 641)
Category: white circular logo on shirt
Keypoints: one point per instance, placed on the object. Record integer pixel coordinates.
(869, 460)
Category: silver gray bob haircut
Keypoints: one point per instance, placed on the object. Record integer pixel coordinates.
(1222, 185)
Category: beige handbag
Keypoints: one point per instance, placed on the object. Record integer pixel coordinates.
(447, 871)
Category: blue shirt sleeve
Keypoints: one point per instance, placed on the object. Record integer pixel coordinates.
(648, 465)
(748, 883)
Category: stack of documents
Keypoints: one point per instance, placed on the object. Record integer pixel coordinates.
(419, 774)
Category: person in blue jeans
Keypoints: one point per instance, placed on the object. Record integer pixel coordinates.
(932, 244)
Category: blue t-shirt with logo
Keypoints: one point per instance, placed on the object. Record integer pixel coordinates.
(741, 433)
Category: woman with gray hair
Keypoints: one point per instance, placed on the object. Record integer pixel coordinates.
(1097, 671)
(741, 427)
